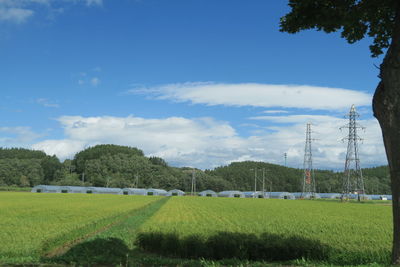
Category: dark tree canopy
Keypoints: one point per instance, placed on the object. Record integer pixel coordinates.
(21, 153)
(102, 150)
(355, 19)
(119, 166)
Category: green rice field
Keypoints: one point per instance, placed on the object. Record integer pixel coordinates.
(60, 227)
(32, 224)
(350, 232)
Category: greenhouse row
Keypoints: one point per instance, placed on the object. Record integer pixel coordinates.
(206, 193)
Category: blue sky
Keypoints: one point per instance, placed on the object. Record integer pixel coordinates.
(199, 83)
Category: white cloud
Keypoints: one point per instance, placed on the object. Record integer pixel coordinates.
(329, 149)
(19, 11)
(298, 118)
(259, 95)
(62, 148)
(275, 111)
(179, 140)
(15, 15)
(17, 136)
(207, 143)
(95, 81)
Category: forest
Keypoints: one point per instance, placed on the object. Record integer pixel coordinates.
(122, 166)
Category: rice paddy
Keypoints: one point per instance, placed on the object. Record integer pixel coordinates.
(350, 232)
(35, 225)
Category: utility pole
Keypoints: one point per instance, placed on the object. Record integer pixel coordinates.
(136, 180)
(255, 181)
(285, 155)
(193, 192)
(308, 176)
(353, 181)
(263, 183)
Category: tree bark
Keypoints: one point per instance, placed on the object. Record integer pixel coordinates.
(386, 106)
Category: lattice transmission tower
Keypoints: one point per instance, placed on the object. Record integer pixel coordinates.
(308, 177)
(353, 182)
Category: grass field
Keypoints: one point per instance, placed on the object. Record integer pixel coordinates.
(340, 233)
(33, 224)
(108, 229)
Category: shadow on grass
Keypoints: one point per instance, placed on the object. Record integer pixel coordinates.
(109, 251)
(221, 246)
(224, 245)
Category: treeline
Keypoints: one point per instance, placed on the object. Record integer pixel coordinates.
(241, 176)
(121, 166)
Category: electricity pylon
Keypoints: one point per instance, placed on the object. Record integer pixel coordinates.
(353, 182)
(308, 177)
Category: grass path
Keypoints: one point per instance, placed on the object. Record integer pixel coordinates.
(114, 244)
(34, 224)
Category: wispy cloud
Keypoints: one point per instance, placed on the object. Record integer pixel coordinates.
(275, 111)
(94, 2)
(47, 103)
(17, 136)
(95, 81)
(15, 15)
(300, 118)
(20, 11)
(90, 77)
(259, 95)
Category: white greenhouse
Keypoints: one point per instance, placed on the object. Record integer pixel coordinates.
(299, 195)
(379, 197)
(237, 194)
(156, 192)
(362, 197)
(330, 195)
(104, 190)
(134, 191)
(175, 192)
(281, 195)
(73, 189)
(257, 194)
(208, 193)
(388, 197)
(46, 189)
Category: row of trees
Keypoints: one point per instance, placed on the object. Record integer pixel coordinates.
(242, 176)
(121, 166)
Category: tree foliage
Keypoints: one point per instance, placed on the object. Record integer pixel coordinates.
(280, 178)
(102, 150)
(354, 18)
(117, 166)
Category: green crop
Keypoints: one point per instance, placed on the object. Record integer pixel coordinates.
(35, 224)
(91, 228)
(341, 233)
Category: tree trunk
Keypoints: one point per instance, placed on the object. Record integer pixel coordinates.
(386, 106)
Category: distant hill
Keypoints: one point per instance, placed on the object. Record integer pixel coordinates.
(122, 166)
(281, 178)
